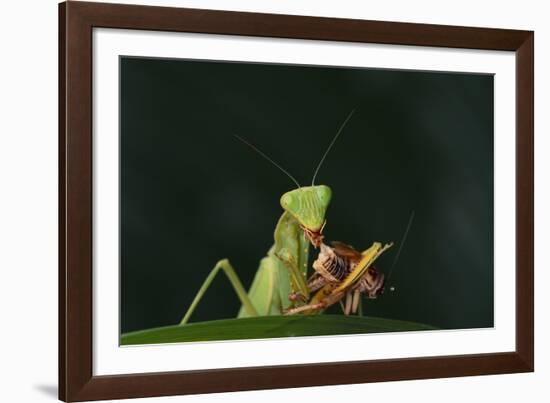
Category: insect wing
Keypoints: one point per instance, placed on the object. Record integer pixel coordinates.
(347, 251)
(369, 256)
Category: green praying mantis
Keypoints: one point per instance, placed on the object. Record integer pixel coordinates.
(282, 273)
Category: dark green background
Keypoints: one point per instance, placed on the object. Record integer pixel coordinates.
(191, 194)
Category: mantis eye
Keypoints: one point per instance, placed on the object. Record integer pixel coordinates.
(324, 194)
(286, 200)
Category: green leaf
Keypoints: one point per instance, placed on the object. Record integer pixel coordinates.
(269, 327)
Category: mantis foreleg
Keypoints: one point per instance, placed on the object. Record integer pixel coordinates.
(291, 251)
(235, 282)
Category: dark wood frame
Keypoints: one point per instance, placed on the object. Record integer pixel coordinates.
(76, 21)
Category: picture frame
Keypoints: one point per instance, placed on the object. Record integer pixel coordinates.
(77, 20)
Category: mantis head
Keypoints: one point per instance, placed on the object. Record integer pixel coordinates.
(308, 206)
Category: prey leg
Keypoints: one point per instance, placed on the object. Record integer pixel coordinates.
(356, 304)
(303, 308)
(315, 306)
(353, 303)
(347, 307)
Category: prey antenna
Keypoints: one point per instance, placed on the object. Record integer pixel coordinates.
(267, 158)
(403, 239)
(330, 146)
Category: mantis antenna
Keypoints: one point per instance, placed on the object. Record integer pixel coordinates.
(330, 146)
(269, 159)
(403, 239)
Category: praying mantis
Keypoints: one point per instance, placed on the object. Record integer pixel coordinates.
(282, 273)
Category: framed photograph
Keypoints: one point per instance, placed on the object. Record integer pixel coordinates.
(253, 201)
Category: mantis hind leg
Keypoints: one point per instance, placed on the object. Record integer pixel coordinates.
(226, 267)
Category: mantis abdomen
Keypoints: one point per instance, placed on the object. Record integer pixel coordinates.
(281, 272)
